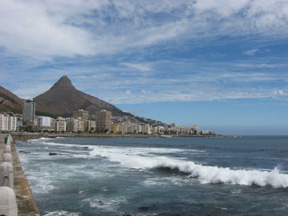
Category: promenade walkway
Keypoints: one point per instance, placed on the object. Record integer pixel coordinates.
(24, 197)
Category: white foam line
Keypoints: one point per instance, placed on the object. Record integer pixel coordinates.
(206, 174)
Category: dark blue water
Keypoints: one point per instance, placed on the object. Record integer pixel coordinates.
(158, 176)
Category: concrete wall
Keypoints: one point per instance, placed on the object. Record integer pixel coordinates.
(24, 197)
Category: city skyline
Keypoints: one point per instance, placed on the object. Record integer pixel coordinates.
(221, 65)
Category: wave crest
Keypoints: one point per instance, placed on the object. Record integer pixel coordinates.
(205, 174)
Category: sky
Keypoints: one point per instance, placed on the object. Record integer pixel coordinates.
(220, 64)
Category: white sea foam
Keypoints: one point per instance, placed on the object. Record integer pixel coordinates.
(144, 159)
(45, 138)
(106, 204)
(42, 182)
(61, 144)
(62, 213)
(163, 181)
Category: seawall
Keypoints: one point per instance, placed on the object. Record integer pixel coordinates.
(24, 197)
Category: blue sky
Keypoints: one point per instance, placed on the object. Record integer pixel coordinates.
(219, 64)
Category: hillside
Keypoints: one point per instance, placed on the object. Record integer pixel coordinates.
(11, 103)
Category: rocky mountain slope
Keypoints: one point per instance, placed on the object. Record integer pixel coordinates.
(11, 103)
(63, 98)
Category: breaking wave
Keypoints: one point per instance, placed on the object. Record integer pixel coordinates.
(139, 159)
(62, 213)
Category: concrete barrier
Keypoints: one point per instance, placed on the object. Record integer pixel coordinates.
(26, 204)
(8, 205)
(7, 149)
(7, 157)
(6, 175)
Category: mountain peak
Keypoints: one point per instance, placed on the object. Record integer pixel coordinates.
(63, 98)
(65, 82)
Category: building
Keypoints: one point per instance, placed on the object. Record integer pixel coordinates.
(60, 125)
(44, 123)
(81, 114)
(12, 123)
(75, 125)
(8, 123)
(29, 108)
(132, 128)
(158, 130)
(114, 128)
(89, 126)
(182, 130)
(196, 130)
(122, 128)
(144, 129)
(103, 121)
(3, 122)
(92, 126)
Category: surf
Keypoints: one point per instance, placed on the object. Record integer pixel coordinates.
(148, 159)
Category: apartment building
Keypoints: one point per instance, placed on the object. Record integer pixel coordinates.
(8, 123)
(60, 125)
(81, 114)
(29, 108)
(103, 120)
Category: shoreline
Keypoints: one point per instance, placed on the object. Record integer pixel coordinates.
(26, 136)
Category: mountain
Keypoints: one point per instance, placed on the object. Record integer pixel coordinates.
(11, 103)
(63, 98)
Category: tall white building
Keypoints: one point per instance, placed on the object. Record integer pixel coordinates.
(8, 123)
(43, 121)
(12, 123)
(3, 122)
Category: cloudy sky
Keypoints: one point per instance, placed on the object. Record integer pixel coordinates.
(220, 64)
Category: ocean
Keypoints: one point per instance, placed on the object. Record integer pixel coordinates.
(158, 176)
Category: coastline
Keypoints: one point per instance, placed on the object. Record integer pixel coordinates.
(26, 136)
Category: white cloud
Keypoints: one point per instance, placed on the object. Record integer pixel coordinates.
(251, 52)
(28, 29)
(262, 65)
(138, 66)
(46, 29)
(93, 41)
(278, 93)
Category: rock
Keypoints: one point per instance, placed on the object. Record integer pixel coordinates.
(24, 152)
(53, 153)
(144, 208)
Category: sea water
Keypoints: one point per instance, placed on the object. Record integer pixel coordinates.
(158, 176)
